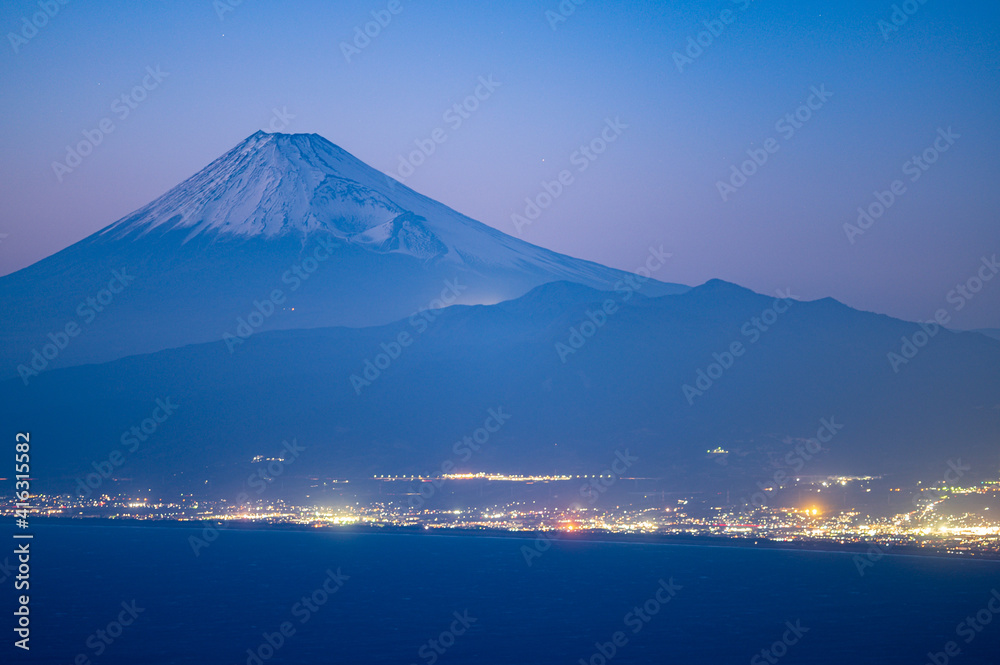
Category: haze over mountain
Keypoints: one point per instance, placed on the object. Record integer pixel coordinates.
(343, 243)
(289, 291)
(368, 401)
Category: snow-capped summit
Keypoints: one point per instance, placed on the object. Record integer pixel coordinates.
(208, 251)
(270, 185)
(274, 185)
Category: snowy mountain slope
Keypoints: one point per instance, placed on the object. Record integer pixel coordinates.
(278, 184)
(289, 226)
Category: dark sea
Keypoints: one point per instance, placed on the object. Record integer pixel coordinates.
(436, 599)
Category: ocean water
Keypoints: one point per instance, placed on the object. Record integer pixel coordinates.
(395, 593)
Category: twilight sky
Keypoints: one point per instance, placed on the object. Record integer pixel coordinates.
(885, 96)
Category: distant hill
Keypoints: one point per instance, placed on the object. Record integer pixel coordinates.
(621, 386)
(989, 332)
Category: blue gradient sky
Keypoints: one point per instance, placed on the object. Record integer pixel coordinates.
(655, 185)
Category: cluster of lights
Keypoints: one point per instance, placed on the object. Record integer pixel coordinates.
(502, 477)
(929, 525)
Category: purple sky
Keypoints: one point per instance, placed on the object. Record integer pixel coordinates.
(559, 82)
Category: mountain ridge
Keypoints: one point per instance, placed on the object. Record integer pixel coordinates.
(209, 248)
(622, 387)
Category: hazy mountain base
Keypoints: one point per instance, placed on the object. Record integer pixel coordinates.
(818, 363)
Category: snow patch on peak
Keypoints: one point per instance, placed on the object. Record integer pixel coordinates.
(268, 185)
(349, 208)
(406, 234)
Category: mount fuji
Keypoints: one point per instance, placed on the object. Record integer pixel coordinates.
(285, 231)
(274, 291)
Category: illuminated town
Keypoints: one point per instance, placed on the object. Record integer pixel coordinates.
(939, 519)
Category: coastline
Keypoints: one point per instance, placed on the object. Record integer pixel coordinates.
(593, 537)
